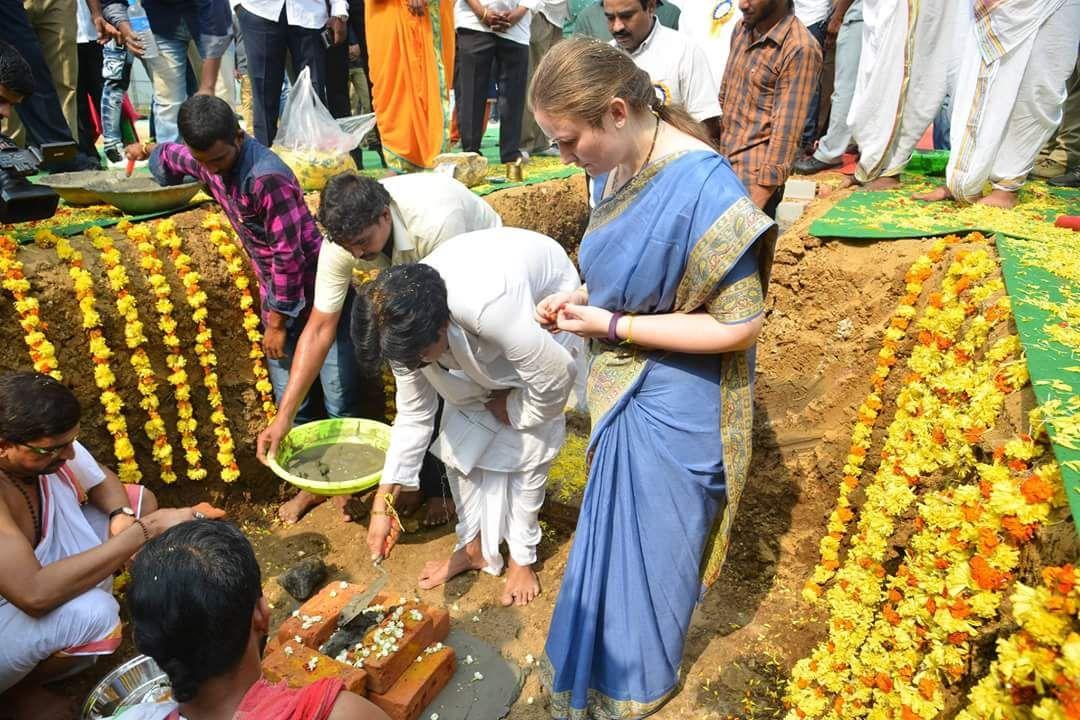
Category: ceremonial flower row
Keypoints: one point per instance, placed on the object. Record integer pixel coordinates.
(224, 241)
(165, 232)
(1037, 670)
(101, 353)
(153, 269)
(42, 352)
(135, 339)
(894, 640)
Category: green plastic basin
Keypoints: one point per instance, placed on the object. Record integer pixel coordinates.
(331, 432)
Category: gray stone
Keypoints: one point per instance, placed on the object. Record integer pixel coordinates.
(469, 168)
(303, 578)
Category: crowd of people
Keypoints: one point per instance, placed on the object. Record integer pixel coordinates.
(688, 120)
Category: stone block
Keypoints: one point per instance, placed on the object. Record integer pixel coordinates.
(469, 168)
(417, 686)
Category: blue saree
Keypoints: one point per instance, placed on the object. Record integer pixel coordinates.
(670, 442)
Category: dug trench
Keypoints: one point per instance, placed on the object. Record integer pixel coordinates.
(827, 308)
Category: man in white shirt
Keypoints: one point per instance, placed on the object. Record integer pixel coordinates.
(545, 29)
(370, 224)
(492, 34)
(460, 325)
(678, 67)
(273, 27)
(709, 23)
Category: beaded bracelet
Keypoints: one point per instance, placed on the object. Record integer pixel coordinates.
(145, 532)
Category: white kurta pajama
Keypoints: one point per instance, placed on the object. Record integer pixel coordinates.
(908, 63)
(1017, 54)
(497, 472)
(88, 624)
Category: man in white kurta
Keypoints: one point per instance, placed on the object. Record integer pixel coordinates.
(1011, 88)
(908, 62)
(505, 382)
(412, 214)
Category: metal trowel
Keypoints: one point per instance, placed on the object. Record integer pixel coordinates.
(359, 603)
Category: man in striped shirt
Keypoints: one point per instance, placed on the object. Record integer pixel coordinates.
(768, 82)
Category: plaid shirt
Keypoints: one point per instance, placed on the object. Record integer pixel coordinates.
(265, 205)
(766, 91)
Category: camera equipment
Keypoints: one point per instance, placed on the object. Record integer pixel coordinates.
(20, 199)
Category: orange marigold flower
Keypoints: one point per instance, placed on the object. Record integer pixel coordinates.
(851, 482)
(895, 595)
(971, 512)
(960, 609)
(883, 682)
(927, 688)
(1036, 490)
(926, 338)
(1061, 579)
(891, 616)
(986, 577)
(957, 638)
(974, 433)
(845, 514)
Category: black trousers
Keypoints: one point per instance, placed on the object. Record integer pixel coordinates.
(337, 81)
(266, 42)
(88, 90)
(477, 52)
(40, 113)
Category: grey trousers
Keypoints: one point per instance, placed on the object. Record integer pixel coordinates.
(542, 37)
(848, 49)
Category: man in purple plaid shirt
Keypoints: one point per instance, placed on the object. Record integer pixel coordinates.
(263, 201)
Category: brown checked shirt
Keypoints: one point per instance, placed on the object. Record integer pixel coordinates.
(768, 82)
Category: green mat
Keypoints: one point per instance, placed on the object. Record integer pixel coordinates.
(892, 214)
(1039, 299)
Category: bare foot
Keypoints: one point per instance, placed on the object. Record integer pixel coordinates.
(291, 512)
(938, 194)
(1000, 198)
(34, 702)
(341, 502)
(885, 182)
(408, 502)
(437, 572)
(522, 585)
(439, 512)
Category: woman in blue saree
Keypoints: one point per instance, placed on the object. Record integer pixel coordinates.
(675, 262)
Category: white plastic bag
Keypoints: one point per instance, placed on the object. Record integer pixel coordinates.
(311, 142)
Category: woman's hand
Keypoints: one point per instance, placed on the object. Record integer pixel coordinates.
(585, 321)
(547, 310)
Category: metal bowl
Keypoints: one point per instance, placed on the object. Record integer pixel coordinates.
(144, 196)
(71, 186)
(137, 681)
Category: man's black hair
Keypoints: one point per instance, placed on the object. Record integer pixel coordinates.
(15, 72)
(193, 591)
(350, 203)
(34, 406)
(204, 120)
(399, 317)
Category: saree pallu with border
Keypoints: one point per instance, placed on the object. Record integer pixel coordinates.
(411, 66)
(670, 444)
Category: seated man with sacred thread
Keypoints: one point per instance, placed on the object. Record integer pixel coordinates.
(66, 525)
(197, 605)
(371, 224)
(460, 325)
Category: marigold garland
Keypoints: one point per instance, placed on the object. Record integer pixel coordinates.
(153, 269)
(226, 244)
(42, 352)
(165, 231)
(894, 641)
(135, 339)
(127, 468)
(1037, 670)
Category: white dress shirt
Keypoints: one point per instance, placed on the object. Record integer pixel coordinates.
(494, 279)
(465, 18)
(426, 209)
(679, 70)
(556, 11)
(309, 14)
(811, 12)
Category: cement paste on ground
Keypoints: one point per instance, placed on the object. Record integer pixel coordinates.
(466, 697)
(338, 462)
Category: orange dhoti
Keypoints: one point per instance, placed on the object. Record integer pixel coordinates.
(411, 59)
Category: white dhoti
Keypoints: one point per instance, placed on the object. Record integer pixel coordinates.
(499, 506)
(1026, 71)
(86, 625)
(908, 63)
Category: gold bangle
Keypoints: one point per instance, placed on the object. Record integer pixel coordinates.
(484, 15)
(629, 331)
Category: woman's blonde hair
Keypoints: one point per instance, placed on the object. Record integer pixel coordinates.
(578, 78)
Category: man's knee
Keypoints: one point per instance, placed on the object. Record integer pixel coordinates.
(87, 618)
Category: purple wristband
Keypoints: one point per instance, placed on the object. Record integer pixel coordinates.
(611, 336)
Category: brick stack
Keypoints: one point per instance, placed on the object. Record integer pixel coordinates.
(401, 666)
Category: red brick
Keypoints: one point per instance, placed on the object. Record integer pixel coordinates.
(293, 669)
(440, 621)
(418, 634)
(272, 646)
(417, 686)
(327, 609)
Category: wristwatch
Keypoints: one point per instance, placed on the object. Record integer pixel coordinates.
(125, 510)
